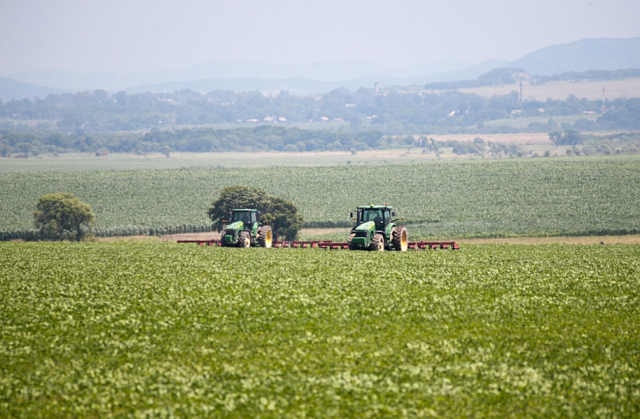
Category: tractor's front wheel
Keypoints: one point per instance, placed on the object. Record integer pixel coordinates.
(400, 239)
(377, 244)
(222, 234)
(244, 240)
(350, 242)
(265, 237)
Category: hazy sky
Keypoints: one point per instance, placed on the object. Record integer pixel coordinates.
(141, 36)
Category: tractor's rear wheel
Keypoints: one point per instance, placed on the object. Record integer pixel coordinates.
(377, 244)
(400, 239)
(350, 242)
(244, 240)
(265, 237)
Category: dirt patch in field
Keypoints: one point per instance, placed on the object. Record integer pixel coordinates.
(315, 232)
(212, 235)
(631, 239)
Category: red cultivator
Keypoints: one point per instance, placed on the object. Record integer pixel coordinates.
(375, 229)
(324, 244)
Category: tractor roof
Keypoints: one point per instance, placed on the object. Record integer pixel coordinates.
(244, 210)
(376, 207)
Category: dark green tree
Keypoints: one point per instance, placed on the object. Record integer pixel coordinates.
(281, 214)
(569, 137)
(62, 216)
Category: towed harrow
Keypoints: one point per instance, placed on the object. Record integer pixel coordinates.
(327, 244)
(375, 229)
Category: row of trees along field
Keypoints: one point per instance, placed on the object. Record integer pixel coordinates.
(278, 138)
(393, 113)
(62, 216)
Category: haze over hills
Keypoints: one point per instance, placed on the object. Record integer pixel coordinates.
(12, 89)
(316, 78)
(298, 85)
(227, 70)
(583, 55)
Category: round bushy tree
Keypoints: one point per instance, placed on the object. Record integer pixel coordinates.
(281, 214)
(62, 216)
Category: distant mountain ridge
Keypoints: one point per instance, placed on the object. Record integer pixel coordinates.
(583, 55)
(300, 85)
(12, 89)
(316, 78)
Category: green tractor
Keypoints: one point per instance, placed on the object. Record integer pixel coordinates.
(244, 230)
(376, 230)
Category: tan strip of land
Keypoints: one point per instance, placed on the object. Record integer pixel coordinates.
(630, 239)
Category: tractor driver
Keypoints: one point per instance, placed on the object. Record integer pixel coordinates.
(245, 219)
(375, 216)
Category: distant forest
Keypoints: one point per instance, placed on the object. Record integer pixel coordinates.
(392, 112)
(290, 139)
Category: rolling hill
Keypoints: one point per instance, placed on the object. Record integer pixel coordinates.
(586, 54)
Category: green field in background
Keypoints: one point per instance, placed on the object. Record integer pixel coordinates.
(534, 197)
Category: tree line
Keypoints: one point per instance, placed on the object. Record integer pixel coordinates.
(259, 138)
(393, 112)
(62, 216)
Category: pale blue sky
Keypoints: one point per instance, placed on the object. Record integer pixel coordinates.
(141, 36)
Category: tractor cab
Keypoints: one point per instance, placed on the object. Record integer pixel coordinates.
(379, 215)
(245, 230)
(247, 216)
(375, 229)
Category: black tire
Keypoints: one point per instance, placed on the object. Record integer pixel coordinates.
(244, 240)
(400, 239)
(265, 237)
(377, 244)
(222, 234)
(350, 242)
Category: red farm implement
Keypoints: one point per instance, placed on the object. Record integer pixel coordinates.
(375, 229)
(324, 244)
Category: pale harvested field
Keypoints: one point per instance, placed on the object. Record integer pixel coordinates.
(591, 90)
(519, 139)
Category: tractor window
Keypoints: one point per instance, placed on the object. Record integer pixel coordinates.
(372, 215)
(253, 218)
(386, 217)
(241, 216)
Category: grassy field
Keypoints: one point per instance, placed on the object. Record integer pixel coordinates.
(581, 196)
(559, 90)
(166, 330)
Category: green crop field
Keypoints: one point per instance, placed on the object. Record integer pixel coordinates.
(167, 330)
(533, 197)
